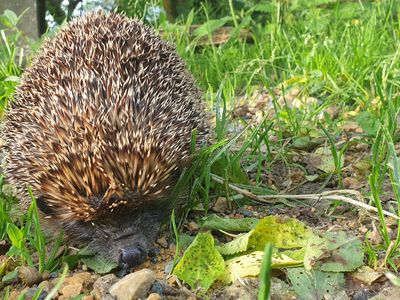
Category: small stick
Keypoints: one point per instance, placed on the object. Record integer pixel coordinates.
(327, 195)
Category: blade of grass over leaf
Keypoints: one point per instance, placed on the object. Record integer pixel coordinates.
(177, 244)
(336, 155)
(265, 278)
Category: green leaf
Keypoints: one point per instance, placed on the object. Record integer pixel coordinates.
(73, 259)
(242, 266)
(282, 232)
(15, 235)
(13, 251)
(38, 240)
(369, 123)
(215, 222)
(323, 159)
(306, 143)
(285, 233)
(201, 263)
(333, 252)
(310, 285)
(10, 276)
(264, 7)
(210, 26)
(185, 240)
(238, 244)
(99, 264)
(9, 18)
(250, 265)
(296, 254)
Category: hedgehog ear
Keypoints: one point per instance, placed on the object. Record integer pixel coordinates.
(44, 207)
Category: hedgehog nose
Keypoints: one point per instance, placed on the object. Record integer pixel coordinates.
(131, 257)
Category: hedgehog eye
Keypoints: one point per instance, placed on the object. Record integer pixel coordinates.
(113, 198)
(44, 207)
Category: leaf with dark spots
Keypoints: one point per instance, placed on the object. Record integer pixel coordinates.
(333, 252)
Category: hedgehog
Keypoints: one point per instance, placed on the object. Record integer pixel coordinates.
(101, 129)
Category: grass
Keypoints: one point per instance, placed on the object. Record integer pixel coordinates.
(12, 58)
(266, 269)
(341, 55)
(345, 55)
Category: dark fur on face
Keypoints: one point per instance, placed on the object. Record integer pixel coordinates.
(128, 241)
(117, 234)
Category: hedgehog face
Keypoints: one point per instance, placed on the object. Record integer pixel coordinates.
(126, 238)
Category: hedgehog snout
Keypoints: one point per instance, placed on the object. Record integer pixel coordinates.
(132, 256)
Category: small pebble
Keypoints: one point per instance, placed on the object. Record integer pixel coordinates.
(168, 267)
(247, 213)
(29, 275)
(102, 285)
(353, 224)
(42, 295)
(361, 295)
(154, 296)
(32, 291)
(153, 254)
(162, 242)
(45, 275)
(362, 147)
(72, 290)
(54, 274)
(193, 226)
(392, 233)
(363, 229)
(77, 283)
(46, 285)
(133, 286)
(221, 205)
(375, 237)
(172, 247)
(171, 280)
(163, 289)
(157, 288)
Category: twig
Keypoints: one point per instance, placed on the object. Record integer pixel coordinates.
(327, 195)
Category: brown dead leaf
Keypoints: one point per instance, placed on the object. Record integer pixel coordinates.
(352, 183)
(366, 275)
(351, 126)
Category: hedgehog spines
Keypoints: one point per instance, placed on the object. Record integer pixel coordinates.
(102, 121)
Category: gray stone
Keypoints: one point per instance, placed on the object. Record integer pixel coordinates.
(221, 205)
(388, 293)
(102, 285)
(133, 286)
